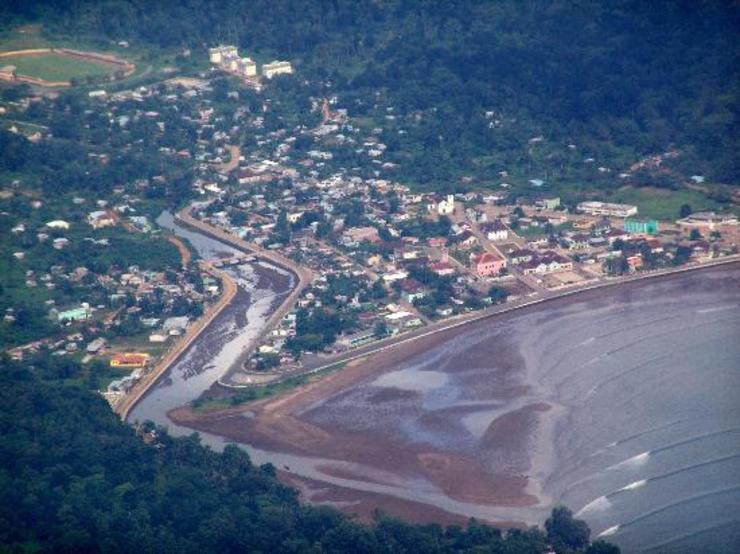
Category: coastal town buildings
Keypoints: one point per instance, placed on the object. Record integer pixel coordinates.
(487, 264)
(277, 67)
(607, 209)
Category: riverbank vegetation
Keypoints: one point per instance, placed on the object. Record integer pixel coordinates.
(74, 478)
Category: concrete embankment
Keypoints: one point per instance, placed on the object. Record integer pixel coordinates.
(302, 275)
(124, 406)
(318, 363)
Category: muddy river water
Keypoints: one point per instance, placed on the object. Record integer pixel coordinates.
(622, 403)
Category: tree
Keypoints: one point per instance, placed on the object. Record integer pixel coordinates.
(695, 234)
(381, 329)
(564, 531)
(602, 547)
(685, 210)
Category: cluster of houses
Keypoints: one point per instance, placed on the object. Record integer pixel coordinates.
(227, 58)
(386, 258)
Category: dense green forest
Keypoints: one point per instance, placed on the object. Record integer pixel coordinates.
(73, 478)
(467, 84)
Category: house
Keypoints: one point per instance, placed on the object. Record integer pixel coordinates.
(58, 224)
(396, 275)
(355, 235)
(521, 255)
(465, 240)
(607, 209)
(60, 243)
(129, 359)
(176, 325)
(442, 269)
(578, 241)
(548, 203)
(411, 290)
(354, 340)
(487, 264)
(95, 346)
(495, 230)
(99, 219)
(635, 261)
(549, 262)
(269, 70)
(445, 206)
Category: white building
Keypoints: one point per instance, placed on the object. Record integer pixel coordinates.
(607, 209)
(495, 230)
(220, 54)
(246, 67)
(269, 70)
(446, 206)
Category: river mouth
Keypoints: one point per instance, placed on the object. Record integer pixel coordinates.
(622, 403)
(598, 401)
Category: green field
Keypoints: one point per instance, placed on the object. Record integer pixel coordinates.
(54, 67)
(663, 204)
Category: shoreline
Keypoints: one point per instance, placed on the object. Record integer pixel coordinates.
(473, 317)
(276, 425)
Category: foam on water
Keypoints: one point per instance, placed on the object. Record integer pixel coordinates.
(633, 486)
(608, 532)
(599, 504)
(637, 460)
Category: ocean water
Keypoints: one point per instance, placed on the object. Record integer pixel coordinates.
(647, 450)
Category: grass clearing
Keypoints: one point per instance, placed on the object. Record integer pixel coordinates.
(258, 393)
(663, 204)
(57, 67)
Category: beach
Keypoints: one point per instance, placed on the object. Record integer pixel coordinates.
(488, 420)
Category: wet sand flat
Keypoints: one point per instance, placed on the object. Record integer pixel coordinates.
(468, 422)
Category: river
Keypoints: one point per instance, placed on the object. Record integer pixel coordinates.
(221, 346)
(623, 404)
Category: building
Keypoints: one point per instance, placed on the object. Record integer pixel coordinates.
(246, 67)
(707, 220)
(521, 255)
(548, 203)
(411, 290)
(447, 205)
(176, 325)
(355, 235)
(442, 269)
(129, 359)
(356, 339)
(95, 346)
(495, 230)
(100, 219)
(641, 227)
(549, 262)
(607, 209)
(487, 264)
(220, 54)
(58, 224)
(76, 314)
(269, 70)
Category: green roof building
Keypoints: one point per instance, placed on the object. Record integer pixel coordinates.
(640, 226)
(77, 314)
